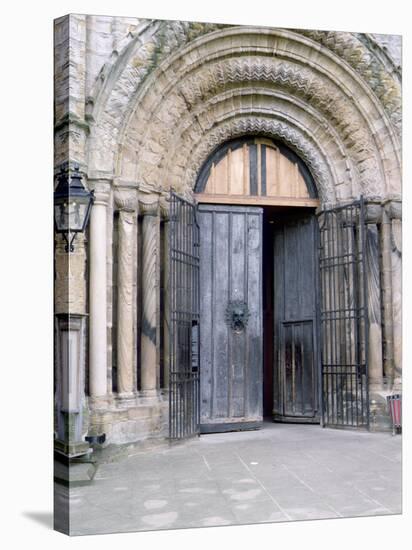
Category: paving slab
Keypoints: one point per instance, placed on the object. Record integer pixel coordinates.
(279, 473)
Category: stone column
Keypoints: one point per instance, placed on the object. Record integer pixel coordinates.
(388, 364)
(166, 295)
(98, 290)
(374, 298)
(396, 243)
(150, 290)
(126, 202)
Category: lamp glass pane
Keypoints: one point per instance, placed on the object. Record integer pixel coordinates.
(61, 216)
(77, 213)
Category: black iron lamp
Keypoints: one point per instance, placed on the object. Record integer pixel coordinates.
(72, 205)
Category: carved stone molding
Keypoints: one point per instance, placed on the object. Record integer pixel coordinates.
(164, 209)
(344, 116)
(149, 209)
(323, 81)
(396, 236)
(374, 306)
(349, 46)
(126, 231)
(150, 298)
(101, 191)
(394, 209)
(125, 200)
(373, 212)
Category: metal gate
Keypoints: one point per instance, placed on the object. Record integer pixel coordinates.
(184, 319)
(344, 316)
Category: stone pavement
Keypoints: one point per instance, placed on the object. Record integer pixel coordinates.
(279, 473)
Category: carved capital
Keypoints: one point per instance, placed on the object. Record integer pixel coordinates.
(373, 212)
(101, 190)
(394, 209)
(396, 236)
(125, 200)
(164, 209)
(149, 209)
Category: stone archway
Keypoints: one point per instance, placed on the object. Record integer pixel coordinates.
(158, 110)
(243, 80)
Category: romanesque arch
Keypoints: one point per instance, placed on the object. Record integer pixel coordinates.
(155, 129)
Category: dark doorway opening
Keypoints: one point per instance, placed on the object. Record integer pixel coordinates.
(290, 315)
(267, 292)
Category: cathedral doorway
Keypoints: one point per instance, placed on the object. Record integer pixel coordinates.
(268, 314)
(258, 288)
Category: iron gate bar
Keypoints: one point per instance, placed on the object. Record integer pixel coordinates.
(184, 401)
(344, 316)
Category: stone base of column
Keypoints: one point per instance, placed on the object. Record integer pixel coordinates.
(397, 385)
(377, 386)
(144, 418)
(72, 449)
(380, 419)
(148, 397)
(75, 470)
(97, 403)
(126, 396)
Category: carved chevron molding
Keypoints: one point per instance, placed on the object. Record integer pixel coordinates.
(350, 48)
(151, 125)
(341, 113)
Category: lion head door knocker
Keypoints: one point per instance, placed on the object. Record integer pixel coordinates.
(237, 315)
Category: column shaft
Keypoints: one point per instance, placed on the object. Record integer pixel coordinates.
(125, 304)
(397, 300)
(150, 250)
(98, 301)
(374, 308)
(387, 297)
(166, 304)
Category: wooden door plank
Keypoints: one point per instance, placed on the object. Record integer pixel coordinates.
(237, 359)
(205, 221)
(254, 329)
(220, 328)
(237, 172)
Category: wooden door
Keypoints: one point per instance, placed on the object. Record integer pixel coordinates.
(231, 317)
(295, 320)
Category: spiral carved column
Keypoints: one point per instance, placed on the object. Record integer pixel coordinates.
(126, 202)
(374, 297)
(150, 297)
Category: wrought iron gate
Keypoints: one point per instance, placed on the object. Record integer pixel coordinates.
(184, 319)
(344, 316)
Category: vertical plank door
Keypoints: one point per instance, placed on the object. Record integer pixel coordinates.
(295, 320)
(231, 317)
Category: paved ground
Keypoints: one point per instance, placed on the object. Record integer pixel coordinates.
(280, 473)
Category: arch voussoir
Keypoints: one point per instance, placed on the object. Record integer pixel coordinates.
(170, 111)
